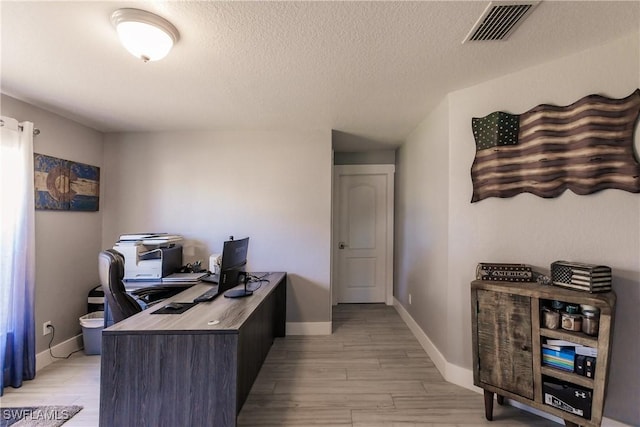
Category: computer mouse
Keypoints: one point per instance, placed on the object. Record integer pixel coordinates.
(173, 306)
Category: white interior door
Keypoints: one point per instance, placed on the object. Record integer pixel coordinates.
(364, 235)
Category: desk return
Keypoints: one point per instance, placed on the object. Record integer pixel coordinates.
(191, 369)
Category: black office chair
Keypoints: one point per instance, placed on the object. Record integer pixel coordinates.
(111, 271)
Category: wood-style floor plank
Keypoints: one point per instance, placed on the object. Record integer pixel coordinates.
(390, 380)
(371, 372)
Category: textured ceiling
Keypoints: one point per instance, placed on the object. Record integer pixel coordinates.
(371, 71)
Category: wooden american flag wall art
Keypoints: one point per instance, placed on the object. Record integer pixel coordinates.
(585, 147)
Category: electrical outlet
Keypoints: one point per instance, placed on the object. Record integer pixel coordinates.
(409, 299)
(46, 330)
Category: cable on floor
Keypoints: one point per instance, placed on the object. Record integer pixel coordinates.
(53, 334)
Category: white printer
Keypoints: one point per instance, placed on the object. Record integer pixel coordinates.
(150, 256)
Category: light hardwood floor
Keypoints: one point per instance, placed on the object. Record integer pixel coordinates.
(371, 372)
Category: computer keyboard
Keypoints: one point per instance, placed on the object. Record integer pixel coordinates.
(208, 295)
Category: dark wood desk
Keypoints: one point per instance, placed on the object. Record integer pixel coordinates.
(183, 370)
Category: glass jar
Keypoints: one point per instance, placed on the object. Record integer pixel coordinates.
(590, 322)
(572, 309)
(571, 322)
(550, 318)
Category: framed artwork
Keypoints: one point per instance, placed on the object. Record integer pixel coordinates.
(584, 147)
(65, 185)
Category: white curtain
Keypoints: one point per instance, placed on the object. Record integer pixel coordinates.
(17, 253)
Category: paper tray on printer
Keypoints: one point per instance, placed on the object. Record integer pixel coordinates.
(152, 254)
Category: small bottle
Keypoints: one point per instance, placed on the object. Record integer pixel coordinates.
(572, 309)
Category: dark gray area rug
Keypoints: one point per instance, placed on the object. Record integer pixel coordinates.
(37, 416)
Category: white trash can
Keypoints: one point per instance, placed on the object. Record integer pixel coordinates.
(92, 325)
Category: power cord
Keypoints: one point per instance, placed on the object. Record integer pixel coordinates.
(53, 334)
(258, 280)
(195, 267)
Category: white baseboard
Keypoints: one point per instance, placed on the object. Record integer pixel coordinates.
(436, 357)
(308, 328)
(463, 377)
(534, 411)
(44, 358)
(450, 372)
(608, 422)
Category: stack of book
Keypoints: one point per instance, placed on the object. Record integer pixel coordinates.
(583, 277)
(559, 357)
(569, 356)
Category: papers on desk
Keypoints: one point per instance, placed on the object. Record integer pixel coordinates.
(184, 277)
(139, 236)
(149, 238)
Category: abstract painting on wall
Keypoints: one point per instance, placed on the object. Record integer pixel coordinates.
(584, 147)
(65, 185)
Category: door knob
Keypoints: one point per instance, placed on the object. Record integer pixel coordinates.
(342, 245)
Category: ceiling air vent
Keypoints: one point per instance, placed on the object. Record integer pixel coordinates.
(499, 20)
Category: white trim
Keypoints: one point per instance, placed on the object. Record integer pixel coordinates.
(390, 231)
(365, 169)
(463, 377)
(534, 411)
(450, 372)
(434, 354)
(608, 422)
(380, 169)
(308, 328)
(44, 359)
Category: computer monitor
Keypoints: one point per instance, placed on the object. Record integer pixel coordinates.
(234, 261)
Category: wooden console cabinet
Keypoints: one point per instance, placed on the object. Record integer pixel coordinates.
(508, 334)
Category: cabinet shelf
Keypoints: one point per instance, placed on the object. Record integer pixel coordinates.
(567, 376)
(507, 348)
(574, 337)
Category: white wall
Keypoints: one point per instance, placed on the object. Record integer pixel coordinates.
(274, 187)
(67, 243)
(422, 202)
(599, 228)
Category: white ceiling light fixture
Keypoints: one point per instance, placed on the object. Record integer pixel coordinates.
(146, 35)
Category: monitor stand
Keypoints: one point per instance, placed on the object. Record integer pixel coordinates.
(238, 293)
